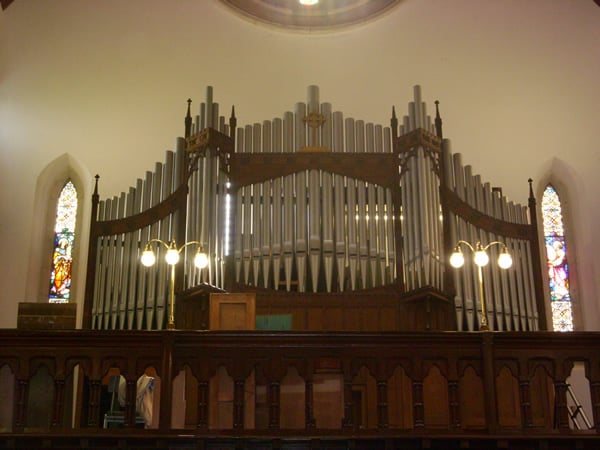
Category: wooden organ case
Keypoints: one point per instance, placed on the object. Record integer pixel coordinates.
(333, 223)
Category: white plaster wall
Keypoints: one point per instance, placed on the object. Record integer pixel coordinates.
(107, 81)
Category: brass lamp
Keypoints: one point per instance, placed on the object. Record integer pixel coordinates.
(480, 258)
(172, 258)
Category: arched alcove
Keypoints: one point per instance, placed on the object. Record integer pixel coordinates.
(292, 400)
(400, 400)
(49, 183)
(507, 397)
(565, 181)
(435, 399)
(40, 399)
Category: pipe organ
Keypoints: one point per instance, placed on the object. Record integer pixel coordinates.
(318, 206)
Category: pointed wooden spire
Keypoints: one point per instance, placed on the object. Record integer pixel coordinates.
(232, 122)
(438, 121)
(394, 123)
(96, 185)
(188, 120)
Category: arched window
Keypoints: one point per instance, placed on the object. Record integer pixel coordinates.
(558, 268)
(64, 236)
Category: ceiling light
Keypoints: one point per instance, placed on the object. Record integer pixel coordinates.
(308, 2)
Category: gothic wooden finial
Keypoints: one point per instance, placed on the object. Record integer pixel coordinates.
(233, 119)
(394, 123)
(530, 181)
(96, 184)
(188, 120)
(438, 121)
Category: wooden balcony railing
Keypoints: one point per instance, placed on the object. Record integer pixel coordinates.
(378, 389)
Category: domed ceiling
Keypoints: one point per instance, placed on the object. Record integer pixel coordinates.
(324, 15)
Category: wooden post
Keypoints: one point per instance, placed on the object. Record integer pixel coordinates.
(595, 394)
(203, 395)
(166, 385)
(90, 278)
(382, 404)
(309, 417)
(536, 262)
(59, 403)
(561, 412)
(238, 404)
(348, 420)
(94, 404)
(130, 394)
(418, 406)
(525, 395)
(489, 381)
(22, 388)
(274, 404)
(453, 404)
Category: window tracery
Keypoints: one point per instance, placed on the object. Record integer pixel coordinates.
(557, 262)
(64, 237)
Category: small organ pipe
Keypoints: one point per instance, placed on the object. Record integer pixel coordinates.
(266, 210)
(351, 210)
(327, 202)
(288, 202)
(340, 213)
(118, 307)
(361, 215)
(256, 205)
(277, 207)
(247, 215)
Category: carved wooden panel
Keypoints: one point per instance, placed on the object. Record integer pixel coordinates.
(507, 399)
(335, 312)
(328, 400)
(364, 388)
(232, 311)
(435, 399)
(472, 412)
(221, 401)
(400, 410)
(292, 398)
(542, 399)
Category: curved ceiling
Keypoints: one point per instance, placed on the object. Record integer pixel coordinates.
(326, 15)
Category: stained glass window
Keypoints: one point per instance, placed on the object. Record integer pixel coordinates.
(64, 236)
(558, 267)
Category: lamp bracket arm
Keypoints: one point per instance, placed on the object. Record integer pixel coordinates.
(159, 241)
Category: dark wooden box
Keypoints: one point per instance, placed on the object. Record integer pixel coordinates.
(46, 316)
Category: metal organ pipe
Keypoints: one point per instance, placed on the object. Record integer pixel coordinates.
(314, 190)
(277, 207)
(351, 235)
(266, 210)
(327, 216)
(288, 202)
(256, 202)
(340, 213)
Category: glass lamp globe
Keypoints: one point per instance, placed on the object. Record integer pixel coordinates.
(504, 260)
(457, 259)
(148, 259)
(172, 256)
(481, 258)
(201, 260)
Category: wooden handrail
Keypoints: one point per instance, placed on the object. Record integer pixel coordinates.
(450, 381)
